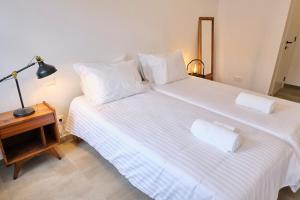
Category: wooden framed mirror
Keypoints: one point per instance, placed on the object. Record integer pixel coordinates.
(206, 45)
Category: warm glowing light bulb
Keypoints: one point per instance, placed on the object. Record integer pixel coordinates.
(195, 69)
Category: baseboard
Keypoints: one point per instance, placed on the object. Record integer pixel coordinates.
(292, 86)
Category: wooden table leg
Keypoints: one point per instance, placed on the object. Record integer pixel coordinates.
(77, 139)
(17, 170)
(55, 153)
(18, 165)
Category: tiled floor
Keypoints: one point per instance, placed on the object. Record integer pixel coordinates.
(81, 174)
(289, 92)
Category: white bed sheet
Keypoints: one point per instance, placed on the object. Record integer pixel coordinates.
(283, 123)
(147, 138)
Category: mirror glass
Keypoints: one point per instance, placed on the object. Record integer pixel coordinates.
(206, 45)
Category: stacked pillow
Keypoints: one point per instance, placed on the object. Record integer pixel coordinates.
(103, 83)
(162, 69)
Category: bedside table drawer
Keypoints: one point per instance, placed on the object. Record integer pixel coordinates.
(26, 126)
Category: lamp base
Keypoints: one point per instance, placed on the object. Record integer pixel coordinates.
(22, 112)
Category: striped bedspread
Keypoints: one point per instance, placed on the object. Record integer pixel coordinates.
(147, 138)
(283, 123)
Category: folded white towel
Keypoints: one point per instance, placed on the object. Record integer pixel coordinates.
(255, 102)
(215, 135)
(230, 128)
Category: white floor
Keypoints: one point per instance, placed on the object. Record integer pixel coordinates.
(81, 174)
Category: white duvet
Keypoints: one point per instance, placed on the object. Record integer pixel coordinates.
(283, 123)
(147, 138)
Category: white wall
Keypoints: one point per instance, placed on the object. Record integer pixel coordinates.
(248, 41)
(64, 32)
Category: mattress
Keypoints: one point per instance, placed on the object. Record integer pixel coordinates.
(147, 138)
(283, 123)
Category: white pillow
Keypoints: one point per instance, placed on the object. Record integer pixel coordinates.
(81, 68)
(112, 82)
(163, 69)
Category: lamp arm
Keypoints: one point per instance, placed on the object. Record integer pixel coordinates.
(26, 67)
(18, 71)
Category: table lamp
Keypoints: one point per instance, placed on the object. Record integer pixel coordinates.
(195, 69)
(43, 71)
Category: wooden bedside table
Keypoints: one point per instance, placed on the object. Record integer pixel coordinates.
(208, 76)
(24, 138)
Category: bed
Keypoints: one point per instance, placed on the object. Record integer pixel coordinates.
(219, 98)
(147, 138)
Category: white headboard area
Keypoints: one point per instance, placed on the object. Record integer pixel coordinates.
(70, 31)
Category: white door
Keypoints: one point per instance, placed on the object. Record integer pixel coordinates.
(287, 48)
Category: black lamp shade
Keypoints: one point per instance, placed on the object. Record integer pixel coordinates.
(45, 70)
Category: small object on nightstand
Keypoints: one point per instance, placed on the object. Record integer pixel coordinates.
(198, 66)
(24, 138)
(43, 71)
(197, 75)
